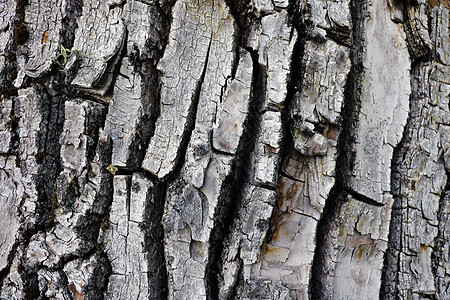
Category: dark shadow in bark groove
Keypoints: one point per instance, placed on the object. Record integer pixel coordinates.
(294, 85)
(322, 268)
(150, 102)
(321, 271)
(391, 264)
(20, 36)
(98, 283)
(190, 125)
(88, 226)
(70, 22)
(232, 189)
(244, 15)
(48, 156)
(154, 242)
(49, 166)
(14, 143)
(154, 237)
(145, 64)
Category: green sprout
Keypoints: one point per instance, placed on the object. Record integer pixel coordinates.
(65, 54)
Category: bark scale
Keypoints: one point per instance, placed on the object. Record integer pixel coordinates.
(224, 149)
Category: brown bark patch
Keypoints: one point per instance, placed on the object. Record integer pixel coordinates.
(433, 3)
(76, 295)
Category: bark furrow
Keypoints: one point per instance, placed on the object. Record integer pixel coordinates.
(224, 149)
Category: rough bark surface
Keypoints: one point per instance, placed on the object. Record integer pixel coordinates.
(224, 149)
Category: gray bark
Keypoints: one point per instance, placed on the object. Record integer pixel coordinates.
(224, 149)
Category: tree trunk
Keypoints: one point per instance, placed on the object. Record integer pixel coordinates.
(224, 149)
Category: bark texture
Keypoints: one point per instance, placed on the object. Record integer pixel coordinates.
(224, 149)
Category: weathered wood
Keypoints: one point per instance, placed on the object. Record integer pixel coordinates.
(131, 107)
(360, 239)
(6, 107)
(224, 149)
(45, 19)
(125, 110)
(99, 37)
(7, 14)
(30, 123)
(384, 104)
(234, 107)
(420, 189)
(288, 255)
(203, 25)
(124, 238)
(10, 179)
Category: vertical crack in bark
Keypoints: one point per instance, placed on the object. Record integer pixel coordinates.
(49, 167)
(154, 242)
(70, 23)
(90, 224)
(14, 142)
(49, 163)
(100, 279)
(295, 81)
(294, 85)
(391, 267)
(48, 156)
(232, 189)
(321, 270)
(398, 239)
(103, 269)
(20, 35)
(151, 86)
(161, 189)
(150, 100)
(190, 124)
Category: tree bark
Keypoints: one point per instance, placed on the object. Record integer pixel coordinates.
(224, 149)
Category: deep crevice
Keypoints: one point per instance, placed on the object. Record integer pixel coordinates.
(391, 263)
(322, 267)
(231, 194)
(190, 124)
(51, 108)
(391, 266)
(294, 86)
(98, 284)
(48, 155)
(244, 14)
(362, 198)
(48, 145)
(20, 36)
(154, 242)
(14, 142)
(145, 64)
(88, 226)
